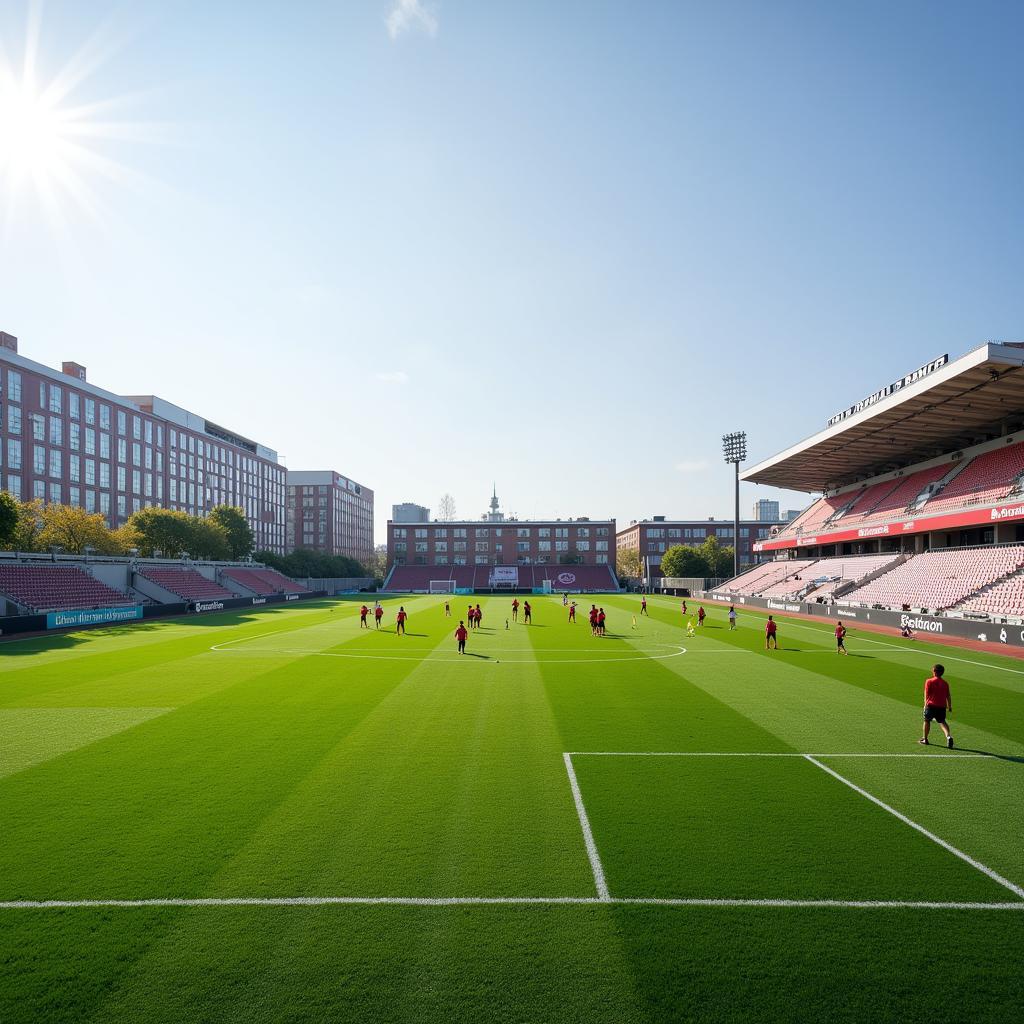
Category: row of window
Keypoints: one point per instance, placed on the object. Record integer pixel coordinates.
(480, 546)
(482, 560)
(698, 532)
(521, 532)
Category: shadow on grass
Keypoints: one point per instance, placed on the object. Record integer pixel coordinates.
(1014, 758)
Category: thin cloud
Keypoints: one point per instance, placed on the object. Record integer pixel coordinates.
(411, 15)
(393, 377)
(691, 466)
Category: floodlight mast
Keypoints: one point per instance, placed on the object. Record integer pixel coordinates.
(734, 449)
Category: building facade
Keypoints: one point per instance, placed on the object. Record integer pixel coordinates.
(766, 511)
(65, 441)
(407, 512)
(507, 542)
(653, 537)
(329, 513)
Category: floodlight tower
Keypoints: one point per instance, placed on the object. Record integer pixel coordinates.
(734, 449)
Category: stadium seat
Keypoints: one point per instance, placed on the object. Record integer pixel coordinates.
(263, 582)
(56, 588)
(188, 584)
(939, 579)
(986, 479)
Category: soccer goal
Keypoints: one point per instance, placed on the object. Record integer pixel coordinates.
(442, 586)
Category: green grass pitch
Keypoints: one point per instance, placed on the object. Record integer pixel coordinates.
(555, 827)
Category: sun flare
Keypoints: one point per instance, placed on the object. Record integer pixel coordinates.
(33, 145)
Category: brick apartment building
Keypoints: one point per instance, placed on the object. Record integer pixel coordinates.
(653, 537)
(64, 440)
(330, 513)
(495, 540)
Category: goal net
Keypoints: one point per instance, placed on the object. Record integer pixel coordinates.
(442, 586)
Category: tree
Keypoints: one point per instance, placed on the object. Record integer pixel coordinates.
(628, 563)
(718, 560)
(8, 517)
(74, 530)
(235, 526)
(208, 539)
(25, 536)
(163, 530)
(681, 560)
(377, 566)
(446, 508)
(303, 563)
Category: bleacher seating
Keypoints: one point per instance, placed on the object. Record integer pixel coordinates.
(587, 578)
(188, 584)
(1005, 598)
(896, 501)
(939, 579)
(838, 571)
(263, 582)
(987, 478)
(57, 588)
(761, 577)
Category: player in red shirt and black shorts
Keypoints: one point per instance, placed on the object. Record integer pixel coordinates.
(840, 638)
(460, 634)
(937, 701)
(771, 634)
(400, 621)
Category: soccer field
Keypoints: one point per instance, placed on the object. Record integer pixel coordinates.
(277, 816)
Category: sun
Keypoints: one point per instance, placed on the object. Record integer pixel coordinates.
(57, 143)
(33, 142)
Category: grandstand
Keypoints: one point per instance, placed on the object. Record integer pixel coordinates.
(41, 588)
(184, 583)
(579, 579)
(925, 477)
(262, 582)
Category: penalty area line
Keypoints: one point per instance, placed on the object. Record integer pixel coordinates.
(984, 869)
(487, 901)
(588, 836)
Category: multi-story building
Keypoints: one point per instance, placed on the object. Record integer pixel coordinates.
(407, 512)
(766, 511)
(495, 540)
(64, 440)
(511, 542)
(330, 513)
(653, 537)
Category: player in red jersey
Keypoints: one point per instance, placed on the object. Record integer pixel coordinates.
(460, 634)
(572, 612)
(840, 638)
(937, 702)
(700, 615)
(363, 612)
(643, 605)
(684, 607)
(600, 621)
(515, 609)
(479, 616)
(378, 614)
(593, 619)
(400, 621)
(771, 638)
(527, 613)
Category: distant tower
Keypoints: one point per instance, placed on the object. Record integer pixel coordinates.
(495, 515)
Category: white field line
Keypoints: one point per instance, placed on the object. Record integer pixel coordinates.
(588, 836)
(486, 901)
(900, 648)
(746, 753)
(995, 876)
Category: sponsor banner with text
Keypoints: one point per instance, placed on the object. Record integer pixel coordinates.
(951, 521)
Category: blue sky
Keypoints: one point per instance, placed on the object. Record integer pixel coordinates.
(560, 246)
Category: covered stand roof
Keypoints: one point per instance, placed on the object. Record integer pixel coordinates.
(944, 406)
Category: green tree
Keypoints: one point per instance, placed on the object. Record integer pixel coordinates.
(303, 563)
(163, 530)
(377, 566)
(232, 521)
(628, 563)
(74, 530)
(29, 525)
(8, 517)
(719, 560)
(681, 560)
(208, 539)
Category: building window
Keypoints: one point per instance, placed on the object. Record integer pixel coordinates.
(56, 396)
(55, 463)
(13, 387)
(13, 455)
(122, 420)
(561, 532)
(73, 405)
(13, 419)
(38, 459)
(14, 486)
